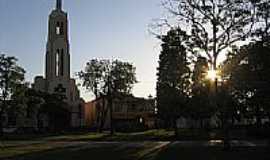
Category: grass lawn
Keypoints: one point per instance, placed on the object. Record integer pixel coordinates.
(85, 151)
(121, 146)
(70, 154)
(123, 152)
(24, 145)
(156, 134)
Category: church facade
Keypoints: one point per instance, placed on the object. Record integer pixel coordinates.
(57, 66)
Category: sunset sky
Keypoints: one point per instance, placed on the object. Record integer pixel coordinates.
(98, 29)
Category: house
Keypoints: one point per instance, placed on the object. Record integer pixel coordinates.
(129, 113)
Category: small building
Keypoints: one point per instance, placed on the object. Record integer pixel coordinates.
(129, 113)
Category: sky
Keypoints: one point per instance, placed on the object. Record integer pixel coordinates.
(111, 29)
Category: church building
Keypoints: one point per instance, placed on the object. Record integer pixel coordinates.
(57, 66)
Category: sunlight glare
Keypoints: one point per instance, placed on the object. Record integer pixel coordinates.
(212, 74)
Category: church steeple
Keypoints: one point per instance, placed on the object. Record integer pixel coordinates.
(57, 53)
(59, 4)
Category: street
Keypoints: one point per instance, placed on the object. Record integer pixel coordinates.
(81, 150)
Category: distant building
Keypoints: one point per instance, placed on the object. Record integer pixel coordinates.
(57, 67)
(129, 113)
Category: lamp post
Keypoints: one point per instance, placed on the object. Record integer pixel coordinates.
(214, 76)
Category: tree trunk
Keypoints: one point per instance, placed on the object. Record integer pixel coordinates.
(201, 123)
(1, 115)
(103, 116)
(1, 123)
(175, 128)
(111, 116)
(110, 105)
(226, 128)
(258, 117)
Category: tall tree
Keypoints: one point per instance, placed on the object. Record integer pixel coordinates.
(173, 77)
(109, 79)
(212, 26)
(200, 106)
(247, 71)
(11, 74)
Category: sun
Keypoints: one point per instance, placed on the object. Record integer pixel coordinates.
(212, 74)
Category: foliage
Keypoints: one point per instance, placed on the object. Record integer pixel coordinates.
(247, 72)
(212, 26)
(200, 104)
(98, 75)
(173, 77)
(11, 75)
(56, 109)
(262, 29)
(109, 79)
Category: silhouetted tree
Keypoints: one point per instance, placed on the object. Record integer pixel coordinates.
(55, 108)
(11, 74)
(262, 30)
(26, 102)
(201, 106)
(212, 26)
(109, 79)
(173, 78)
(247, 71)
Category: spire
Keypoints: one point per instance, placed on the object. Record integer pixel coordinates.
(59, 4)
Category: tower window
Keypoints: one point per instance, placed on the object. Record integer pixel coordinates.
(58, 28)
(57, 62)
(61, 65)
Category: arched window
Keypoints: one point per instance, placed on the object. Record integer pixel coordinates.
(61, 65)
(57, 61)
(58, 28)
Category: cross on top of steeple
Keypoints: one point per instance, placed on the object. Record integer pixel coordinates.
(59, 4)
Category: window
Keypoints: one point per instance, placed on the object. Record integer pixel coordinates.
(58, 30)
(57, 62)
(61, 64)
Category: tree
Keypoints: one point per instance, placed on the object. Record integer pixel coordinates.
(201, 106)
(25, 103)
(212, 26)
(54, 107)
(94, 75)
(173, 78)
(262, 30)
(247, 71)
(109, 79)
(11, 74)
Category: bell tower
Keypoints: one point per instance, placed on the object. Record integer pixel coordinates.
(57, 78)
(57, 52)
(59, 4)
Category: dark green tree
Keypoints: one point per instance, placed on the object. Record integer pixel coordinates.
(109, 79)
(173, 78)
(213, 26)
(262, 30)
(11, 74)
(247, 71)
(201, 106)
